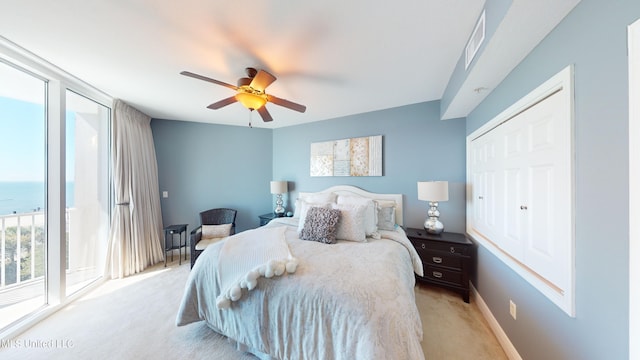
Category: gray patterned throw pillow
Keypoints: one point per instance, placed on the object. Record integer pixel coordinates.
(321, 225)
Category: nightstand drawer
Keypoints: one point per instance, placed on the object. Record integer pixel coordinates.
(447, 242)
(440, 259)
(444, 247)
(444, 275)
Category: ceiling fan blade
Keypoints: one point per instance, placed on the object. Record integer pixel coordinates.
(262, 80)
(200, 77)
(224, 102)
(266, 117)
(286, 103)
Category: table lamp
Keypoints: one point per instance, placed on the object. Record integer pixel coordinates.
(278, 188)
(433, 191)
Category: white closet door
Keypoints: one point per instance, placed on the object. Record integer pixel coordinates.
(523, 176)
(478, 164)
(514, 195)
(521, 170)
(549, 190)
(484, 186)
(481, 153)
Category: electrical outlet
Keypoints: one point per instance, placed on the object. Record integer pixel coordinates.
(165, 194)
(512, 309)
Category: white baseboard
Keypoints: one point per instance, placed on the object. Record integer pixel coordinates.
(503, 339)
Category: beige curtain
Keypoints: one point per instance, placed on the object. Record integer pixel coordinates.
(136, 227)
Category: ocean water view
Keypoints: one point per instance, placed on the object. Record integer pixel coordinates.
(26, 196)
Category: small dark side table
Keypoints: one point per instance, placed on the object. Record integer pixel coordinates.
(169, 232)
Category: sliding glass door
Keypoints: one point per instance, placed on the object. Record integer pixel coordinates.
(87, 189)
(54, 188)
(22, 193)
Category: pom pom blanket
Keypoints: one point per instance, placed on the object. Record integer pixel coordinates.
(248, 256)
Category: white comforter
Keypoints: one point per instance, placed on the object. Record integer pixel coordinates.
(345, 301)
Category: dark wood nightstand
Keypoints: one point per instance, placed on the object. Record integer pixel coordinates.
(447, 259)
(265, 218)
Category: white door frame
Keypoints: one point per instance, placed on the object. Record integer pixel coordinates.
(634, 189)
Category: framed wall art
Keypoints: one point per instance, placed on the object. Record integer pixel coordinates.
(360, 156)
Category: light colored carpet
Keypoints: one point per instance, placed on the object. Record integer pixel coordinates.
(134, 318)
(453, 329)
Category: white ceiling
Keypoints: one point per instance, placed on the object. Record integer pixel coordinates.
(336, 57)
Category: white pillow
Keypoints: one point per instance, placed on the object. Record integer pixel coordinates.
(351, 224)
(320, 198)
(216, 231)
(315, 198)
(304, 208)
(371, 212)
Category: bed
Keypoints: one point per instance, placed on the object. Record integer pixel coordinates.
(350, 299)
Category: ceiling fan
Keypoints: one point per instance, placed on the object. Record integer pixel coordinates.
(250, 92)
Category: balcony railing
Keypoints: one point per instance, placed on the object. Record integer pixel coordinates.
(22, 249)
(22, 252)
(22, 261)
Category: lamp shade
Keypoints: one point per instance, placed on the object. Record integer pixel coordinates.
(278, 187)
(433, 190)
(251, 101)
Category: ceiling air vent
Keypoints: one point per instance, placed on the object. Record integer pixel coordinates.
(474, 42)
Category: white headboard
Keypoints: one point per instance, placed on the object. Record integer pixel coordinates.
(356, 191)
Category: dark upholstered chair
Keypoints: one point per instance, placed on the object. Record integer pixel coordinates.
(219, 216)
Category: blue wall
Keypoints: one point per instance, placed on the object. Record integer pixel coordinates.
(417, 146)
(593, 38)
(205, 166)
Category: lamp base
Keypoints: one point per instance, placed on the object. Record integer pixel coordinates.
(279, 210)
(433, 226)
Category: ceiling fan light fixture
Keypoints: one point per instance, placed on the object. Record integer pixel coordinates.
(251, 101)
(250, 92)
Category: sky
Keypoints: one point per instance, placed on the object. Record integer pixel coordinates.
(22, 146)
(23, 126)
(22, 141)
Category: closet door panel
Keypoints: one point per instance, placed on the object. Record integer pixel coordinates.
(513, 217)
(548, 163)
(541, 242)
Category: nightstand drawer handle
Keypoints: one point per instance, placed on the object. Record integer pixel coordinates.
(437, 260)
(437, 274)
(424, 246)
